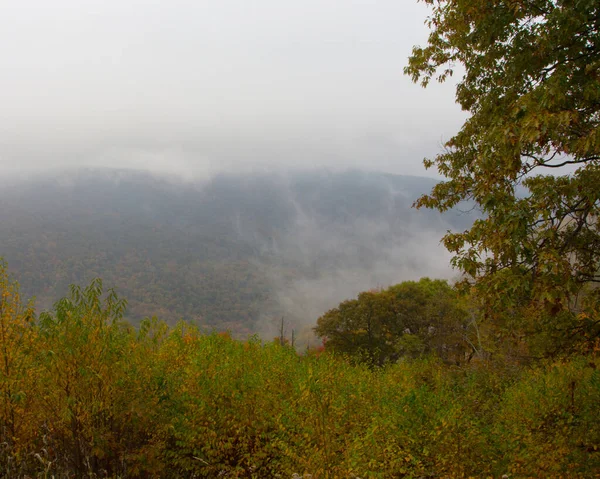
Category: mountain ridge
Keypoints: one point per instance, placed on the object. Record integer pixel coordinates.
(230, 252)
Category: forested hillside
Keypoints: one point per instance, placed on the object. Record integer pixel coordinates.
(235, 251)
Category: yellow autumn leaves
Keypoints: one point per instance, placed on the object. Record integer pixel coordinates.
(85, 394)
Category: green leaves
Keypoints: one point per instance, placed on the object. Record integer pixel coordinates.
(408, 319)
(92, 397)
(532, 86)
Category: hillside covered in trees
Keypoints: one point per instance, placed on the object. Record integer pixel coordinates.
(233, 252)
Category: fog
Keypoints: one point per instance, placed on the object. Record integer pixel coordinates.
(374, 241)
(224, 106)
(237, 251)
(302, 300)
(194, 88)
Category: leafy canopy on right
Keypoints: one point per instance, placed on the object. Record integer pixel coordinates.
(532, 86)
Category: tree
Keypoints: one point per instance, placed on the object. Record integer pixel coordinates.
(528, 156)
(408, 319)
(17, 372)
(84, 356)
(360, 327)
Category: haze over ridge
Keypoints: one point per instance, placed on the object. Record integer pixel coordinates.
(264, 106)
(237, 251)
(197, 88)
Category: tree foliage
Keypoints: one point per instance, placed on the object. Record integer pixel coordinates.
(409, 319)
(531, 84)
(16, 372)
(85, 395)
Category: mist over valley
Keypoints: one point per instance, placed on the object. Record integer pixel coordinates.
(236, 251)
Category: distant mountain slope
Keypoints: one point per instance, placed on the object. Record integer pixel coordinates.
(232, 252)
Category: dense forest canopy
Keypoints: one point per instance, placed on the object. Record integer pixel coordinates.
(232, 252)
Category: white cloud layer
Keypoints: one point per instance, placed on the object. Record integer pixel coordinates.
(191, 87)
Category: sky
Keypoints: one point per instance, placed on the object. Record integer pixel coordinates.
(195, 87)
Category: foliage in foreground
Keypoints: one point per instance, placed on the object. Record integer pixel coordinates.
(82, 394)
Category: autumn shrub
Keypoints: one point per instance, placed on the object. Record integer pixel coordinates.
(326, 415)
(227, 407)
(83, 394)
(18, 374)
(547, 424)
(90, 385)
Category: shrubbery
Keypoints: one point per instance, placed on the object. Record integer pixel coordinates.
(83, 394)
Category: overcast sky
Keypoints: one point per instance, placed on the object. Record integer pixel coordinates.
(197, 86)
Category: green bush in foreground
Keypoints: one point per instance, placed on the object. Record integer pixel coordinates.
(86, 395)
